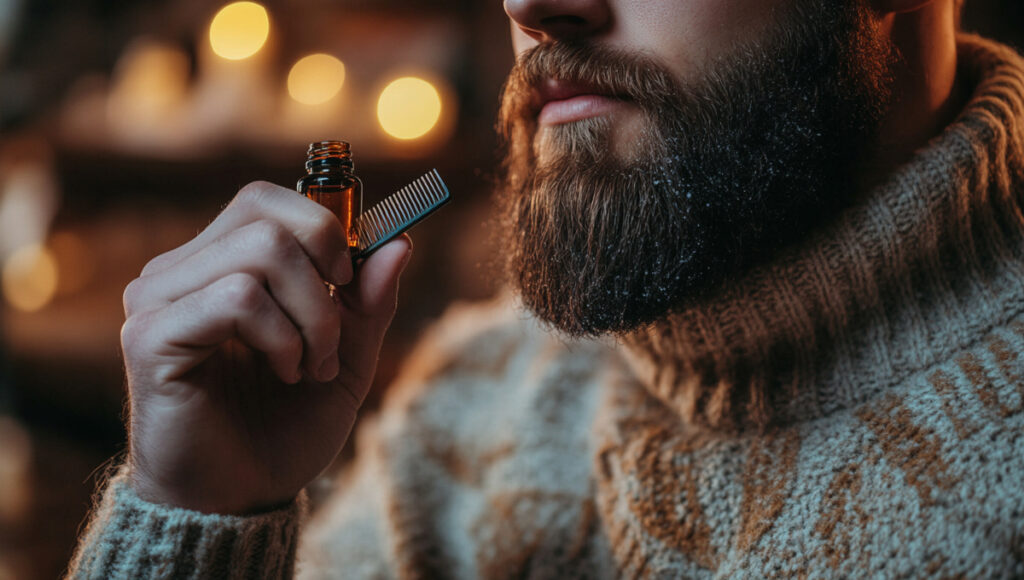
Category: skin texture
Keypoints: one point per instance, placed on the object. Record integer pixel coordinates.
(684, 35)
(245, 378)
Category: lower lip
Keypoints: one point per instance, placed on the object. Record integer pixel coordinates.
(575, 109)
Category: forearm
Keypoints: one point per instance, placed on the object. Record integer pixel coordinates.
(129, 537)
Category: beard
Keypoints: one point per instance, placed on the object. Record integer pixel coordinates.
(763, 146)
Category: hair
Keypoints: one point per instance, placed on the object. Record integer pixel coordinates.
(731, 165)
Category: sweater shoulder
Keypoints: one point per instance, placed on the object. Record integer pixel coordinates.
(937, 460)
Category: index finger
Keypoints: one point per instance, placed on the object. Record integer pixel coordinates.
(318, 231)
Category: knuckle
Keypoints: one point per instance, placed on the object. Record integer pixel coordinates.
(155, 264)
(324, 242)
(253, 194)
(132, 334)
(321, 219)
(240, 293)
(324, 228)
(132, 297)
(274, 238)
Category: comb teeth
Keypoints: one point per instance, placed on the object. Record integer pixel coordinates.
(398, 212)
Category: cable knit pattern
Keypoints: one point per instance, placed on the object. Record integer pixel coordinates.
(855, 408)
(926, 264)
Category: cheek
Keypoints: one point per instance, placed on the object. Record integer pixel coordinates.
(687, 34)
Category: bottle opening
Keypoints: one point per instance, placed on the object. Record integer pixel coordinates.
(324, 155)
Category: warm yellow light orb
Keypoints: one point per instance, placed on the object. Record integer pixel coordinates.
(315, 79)
(239, 30)
(408, 108)
(29, 278)
(151, 82)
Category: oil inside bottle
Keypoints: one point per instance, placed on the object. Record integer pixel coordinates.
(330, 181)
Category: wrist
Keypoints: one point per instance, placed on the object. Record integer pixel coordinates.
(203, 497)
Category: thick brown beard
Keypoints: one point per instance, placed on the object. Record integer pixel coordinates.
(728, 171)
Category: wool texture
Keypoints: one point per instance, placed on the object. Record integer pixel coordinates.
(853, 408)
(128, 537)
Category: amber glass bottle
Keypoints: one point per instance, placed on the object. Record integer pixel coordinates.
(331, 183)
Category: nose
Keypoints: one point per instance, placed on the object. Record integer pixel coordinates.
(550, 20)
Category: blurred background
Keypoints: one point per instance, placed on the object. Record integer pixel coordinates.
(126, 126)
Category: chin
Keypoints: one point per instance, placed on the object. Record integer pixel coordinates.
(621, 139)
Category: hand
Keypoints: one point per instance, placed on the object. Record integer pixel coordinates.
(245, 377)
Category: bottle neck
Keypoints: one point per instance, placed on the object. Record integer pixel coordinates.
(329, 157)
(317, 168)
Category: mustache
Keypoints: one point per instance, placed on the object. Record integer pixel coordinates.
(626, 75)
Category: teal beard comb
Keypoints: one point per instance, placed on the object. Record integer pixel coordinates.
(398, 212)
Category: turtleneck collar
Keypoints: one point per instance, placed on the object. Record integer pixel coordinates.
(925, 264)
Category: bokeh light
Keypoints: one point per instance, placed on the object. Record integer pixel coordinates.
(151, 82)
(315, 79)
(29, 200)
(29, 278)
(239, 30)
(408, 108)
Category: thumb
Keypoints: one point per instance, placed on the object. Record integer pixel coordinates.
(368, 305)
(374, 290)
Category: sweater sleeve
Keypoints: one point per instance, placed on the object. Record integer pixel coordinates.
(129, 537)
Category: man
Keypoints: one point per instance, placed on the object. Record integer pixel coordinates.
(786, 241)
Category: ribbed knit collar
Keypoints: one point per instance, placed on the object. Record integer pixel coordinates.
(925, 264)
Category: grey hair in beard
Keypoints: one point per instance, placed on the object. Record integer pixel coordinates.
(728, 169)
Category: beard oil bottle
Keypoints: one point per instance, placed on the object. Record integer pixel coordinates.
(330, 181)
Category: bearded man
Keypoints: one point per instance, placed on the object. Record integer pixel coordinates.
(774, 256)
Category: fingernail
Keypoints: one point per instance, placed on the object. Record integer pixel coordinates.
(328, 370)
(407, 256)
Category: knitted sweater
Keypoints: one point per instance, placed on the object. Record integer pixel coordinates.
(854, 408)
